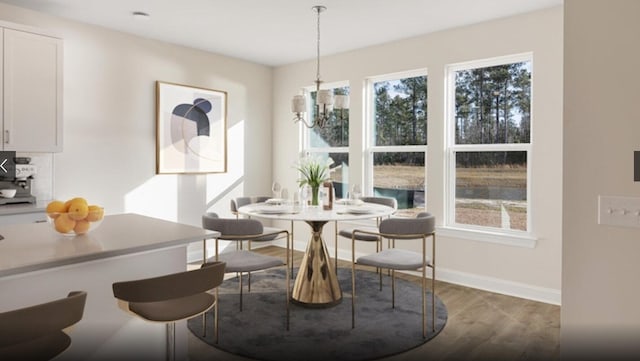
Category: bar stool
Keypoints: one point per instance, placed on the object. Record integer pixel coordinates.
(37, 332)
(173, 297)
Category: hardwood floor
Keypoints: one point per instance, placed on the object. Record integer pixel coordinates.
(481, 326)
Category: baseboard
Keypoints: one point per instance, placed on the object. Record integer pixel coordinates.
(485, 283)
(497, 285)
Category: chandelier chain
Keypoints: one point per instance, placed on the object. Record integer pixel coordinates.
(318, 11)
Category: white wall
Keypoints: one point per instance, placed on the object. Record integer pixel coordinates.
(600, 267)
(109, 121)
(527, 272)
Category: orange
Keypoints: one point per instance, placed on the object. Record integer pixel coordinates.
(54, 208)
(64, 224)
(82, 227)
(95, 213)
(67, 204)
(78, 209)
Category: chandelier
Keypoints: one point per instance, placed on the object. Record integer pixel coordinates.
(325, 100)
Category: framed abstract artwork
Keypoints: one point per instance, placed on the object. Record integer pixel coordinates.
(191, 129)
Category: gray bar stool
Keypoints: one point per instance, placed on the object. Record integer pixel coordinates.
(173, 297)
(37, 332)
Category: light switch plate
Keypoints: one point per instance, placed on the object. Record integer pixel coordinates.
(619, 211)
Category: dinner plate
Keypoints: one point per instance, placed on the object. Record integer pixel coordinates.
(275, 210)
(350, 202)
(275, 201)
(360, 210)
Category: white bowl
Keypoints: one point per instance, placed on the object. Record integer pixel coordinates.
(8, 193)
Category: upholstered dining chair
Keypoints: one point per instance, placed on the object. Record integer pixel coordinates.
(173, 297)
(38, 332)
(365, 237)
(241, 261)
(403, 230)
(238, 202)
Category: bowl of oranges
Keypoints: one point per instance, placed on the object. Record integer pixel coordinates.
(74, 217)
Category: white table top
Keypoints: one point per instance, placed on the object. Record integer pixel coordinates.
(36, 246)
(295, 213)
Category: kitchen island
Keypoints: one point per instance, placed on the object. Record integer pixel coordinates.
(39, 265)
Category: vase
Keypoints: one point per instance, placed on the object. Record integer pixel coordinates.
(314, 195)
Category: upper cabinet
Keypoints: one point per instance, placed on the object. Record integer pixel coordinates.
(31, 91)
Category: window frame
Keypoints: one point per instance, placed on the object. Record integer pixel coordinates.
(477, 232)
(370, 148)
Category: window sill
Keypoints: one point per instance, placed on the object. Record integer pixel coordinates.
(516, 240)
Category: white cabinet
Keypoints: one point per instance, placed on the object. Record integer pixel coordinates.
(32, 90)
(23, 218)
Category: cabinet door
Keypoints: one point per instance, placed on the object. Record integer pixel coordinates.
(23, 218)
(32, 92)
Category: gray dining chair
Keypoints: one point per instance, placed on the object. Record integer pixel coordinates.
(38, 332)
(235, 205)
(241, 260)
(348, 232)
(404, 230)
(238, 202)
(173, 297)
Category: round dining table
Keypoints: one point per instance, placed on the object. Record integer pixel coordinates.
(316, 284)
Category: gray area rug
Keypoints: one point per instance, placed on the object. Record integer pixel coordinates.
(258, 331)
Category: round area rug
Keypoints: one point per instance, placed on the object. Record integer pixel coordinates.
(318, 334)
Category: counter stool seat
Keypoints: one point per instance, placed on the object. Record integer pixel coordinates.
(173, 297)
(36, 332)
(175, 309)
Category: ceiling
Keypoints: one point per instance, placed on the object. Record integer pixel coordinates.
(277, 32)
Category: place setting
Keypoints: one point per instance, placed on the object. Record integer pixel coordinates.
(279, 204)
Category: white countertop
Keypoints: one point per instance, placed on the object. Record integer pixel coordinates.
(36, 246)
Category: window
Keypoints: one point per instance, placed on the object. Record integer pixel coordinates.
(489, 145)
(332, 140)
(397, 140)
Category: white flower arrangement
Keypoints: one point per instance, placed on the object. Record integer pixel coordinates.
(314, 170)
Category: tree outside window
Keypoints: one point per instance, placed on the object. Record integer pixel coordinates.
(491, 145)
(399, 141)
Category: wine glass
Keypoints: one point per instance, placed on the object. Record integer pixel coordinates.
(276, 189)
(356, 193)
(305, 194)
(285, 194)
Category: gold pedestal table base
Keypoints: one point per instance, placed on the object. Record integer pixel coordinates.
(316, 284)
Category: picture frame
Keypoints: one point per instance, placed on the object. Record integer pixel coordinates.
(191, 129)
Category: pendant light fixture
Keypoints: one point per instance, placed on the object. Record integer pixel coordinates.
(325, 101)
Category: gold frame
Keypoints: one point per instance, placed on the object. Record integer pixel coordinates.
(166, 148)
